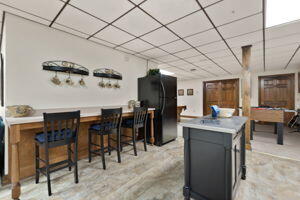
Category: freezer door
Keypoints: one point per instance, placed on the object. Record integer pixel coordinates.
(169, 86)
(169, 120)
(149, 90)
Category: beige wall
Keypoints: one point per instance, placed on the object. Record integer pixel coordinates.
(195, 103)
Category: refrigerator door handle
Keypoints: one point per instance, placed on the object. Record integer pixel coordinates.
(164, 97)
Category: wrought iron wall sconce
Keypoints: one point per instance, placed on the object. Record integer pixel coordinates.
(109, 74)
(66, 67)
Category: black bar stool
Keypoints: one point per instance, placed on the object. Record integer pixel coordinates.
(139, 121)
(110, 121)
(64, 129)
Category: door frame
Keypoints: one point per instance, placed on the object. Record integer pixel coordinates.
(292, 75)
(212, 81)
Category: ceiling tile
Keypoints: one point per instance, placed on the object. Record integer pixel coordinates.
(248, 39)
(47, 9)
(283, 30)
(160, 36)
(126, 50)
(168, 10)
(196, 59)
(114, 35)
(24, 15)
(240, 27)
(137, 45)
(205, 3)
(187, 53)
(214, 69)
(154, 53)
(70, 30)
(178, 63)
(203, 38)
(79, 20)
(164, 66)
(230, 10)
(212, 47)
(103, 42)
(226, 60)
(291, 39)
(167, 58)
(106, 10)
(219, 54)
(191, 24)
(176, 46)
(282, 49)
(137, 23)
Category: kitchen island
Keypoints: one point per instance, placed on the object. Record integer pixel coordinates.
(22, 131)
(214, 157)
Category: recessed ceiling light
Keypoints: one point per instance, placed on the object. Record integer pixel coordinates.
(192, 70)
(165, 72)
(279, 12)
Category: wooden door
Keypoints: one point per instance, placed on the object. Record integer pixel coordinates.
(224, 93)
(211, 95)
(279, 92)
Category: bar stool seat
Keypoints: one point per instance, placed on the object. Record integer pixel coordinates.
(40, 137)
(127, 123)
(99, 127)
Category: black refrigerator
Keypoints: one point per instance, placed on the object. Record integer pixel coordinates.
(160, 92)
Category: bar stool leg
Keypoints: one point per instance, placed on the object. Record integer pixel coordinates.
(69, 156)
(89, 144)
(75, 162)
(37, 163)
(145, 138)
(120, 141)
(134, 130)
(108, 144)
(119, 145)
(102, 151)
(48, 171)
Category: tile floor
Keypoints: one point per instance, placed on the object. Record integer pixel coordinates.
(158, 175)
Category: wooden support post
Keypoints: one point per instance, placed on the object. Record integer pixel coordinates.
(246, 90)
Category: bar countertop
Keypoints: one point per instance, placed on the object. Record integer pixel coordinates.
(227, 125)
(37, 116)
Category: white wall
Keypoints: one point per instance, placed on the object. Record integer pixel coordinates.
(195, 103)
(28, 44)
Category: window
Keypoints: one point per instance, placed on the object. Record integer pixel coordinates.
(281, 11)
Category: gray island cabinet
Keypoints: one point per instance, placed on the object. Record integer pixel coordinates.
(214, 157)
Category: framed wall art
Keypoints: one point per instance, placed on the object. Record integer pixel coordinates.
(181, 92)
(190, 92)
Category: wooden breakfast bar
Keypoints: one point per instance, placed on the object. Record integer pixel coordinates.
(21, 141)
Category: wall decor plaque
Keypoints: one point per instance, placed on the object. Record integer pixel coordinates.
(190, 92)
(181, 92)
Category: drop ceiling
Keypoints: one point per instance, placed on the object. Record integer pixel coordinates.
(179, 35)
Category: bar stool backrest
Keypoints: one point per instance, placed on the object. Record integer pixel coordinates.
(111, 119)
(64, 127)
(140, 116)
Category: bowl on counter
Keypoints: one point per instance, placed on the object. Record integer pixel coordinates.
(226, 112)
(19, 111)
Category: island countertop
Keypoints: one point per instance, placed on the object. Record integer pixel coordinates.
(227, 125)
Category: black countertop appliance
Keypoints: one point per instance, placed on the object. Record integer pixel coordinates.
(160, 92)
